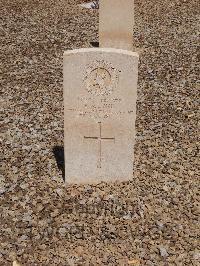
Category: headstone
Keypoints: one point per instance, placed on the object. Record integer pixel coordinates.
(100, 89)
(116, 21)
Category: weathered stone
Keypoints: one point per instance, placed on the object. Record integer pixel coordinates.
(116, 21)
(163, 252)
(100, 89)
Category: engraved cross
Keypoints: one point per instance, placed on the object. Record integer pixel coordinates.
(99, 139)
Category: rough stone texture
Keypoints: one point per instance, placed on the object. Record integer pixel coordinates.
(100, 90)
(104, 224)
(90, 5)
(116, 20)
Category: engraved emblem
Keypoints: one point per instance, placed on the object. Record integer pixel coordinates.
(101, 78)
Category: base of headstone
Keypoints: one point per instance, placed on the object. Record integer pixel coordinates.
(100, 91)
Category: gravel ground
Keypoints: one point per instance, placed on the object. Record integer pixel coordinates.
(151, 220)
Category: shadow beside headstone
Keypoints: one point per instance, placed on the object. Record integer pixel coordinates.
(94, 44)
(58, 152)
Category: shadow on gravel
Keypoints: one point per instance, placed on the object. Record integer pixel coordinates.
(95, 44)
(58, 152)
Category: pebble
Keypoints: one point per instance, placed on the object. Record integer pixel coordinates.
(163, 252)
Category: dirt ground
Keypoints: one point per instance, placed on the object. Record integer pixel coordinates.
(151, 220)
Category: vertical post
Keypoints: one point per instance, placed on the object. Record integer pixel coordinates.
(116, 21)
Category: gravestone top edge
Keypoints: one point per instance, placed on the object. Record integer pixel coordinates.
(99, 50)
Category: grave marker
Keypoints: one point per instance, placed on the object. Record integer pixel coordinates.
(116, 21)
(100, 89)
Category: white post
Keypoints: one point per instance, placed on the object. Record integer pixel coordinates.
(116, 21)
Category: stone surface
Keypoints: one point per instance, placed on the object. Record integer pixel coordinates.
(166, 149)
(100, 89)
(116, 20)
(90, 5)
(16, 263)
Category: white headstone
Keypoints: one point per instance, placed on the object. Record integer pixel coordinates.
(100, 90)
(116, 21)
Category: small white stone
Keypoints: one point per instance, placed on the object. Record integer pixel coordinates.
(62, 231)
(163, 252)
(196, 256)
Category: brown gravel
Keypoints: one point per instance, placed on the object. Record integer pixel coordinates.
(151, 220)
